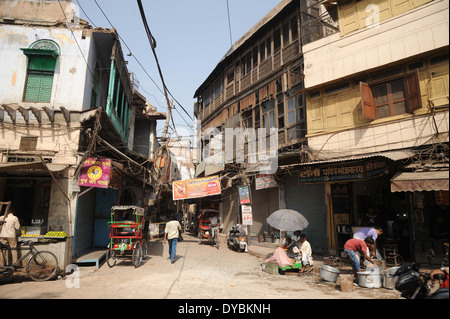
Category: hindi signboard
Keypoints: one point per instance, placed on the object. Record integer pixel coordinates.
(355, 172)
(195, 188)
(95, 173)
(247, 215)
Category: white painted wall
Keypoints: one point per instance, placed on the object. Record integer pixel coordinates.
(403, 133)
(70, 74)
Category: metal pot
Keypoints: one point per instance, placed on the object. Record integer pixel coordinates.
(389, 279)
(329, 273)
(368, 279)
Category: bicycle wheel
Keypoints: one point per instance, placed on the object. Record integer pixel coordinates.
(111, 257)
(137, 255)
(42, 266)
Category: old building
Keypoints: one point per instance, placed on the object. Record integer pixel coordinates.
(377, 98)
(66, 97)
(258, 85)
(356, 93)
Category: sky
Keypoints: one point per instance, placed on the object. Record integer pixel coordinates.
(192, 36)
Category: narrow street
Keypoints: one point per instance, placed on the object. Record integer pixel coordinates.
(199, 272)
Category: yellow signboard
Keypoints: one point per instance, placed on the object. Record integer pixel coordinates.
(195, 188)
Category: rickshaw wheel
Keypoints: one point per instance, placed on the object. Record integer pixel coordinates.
(199, 237)
(137, 255)
(111, 257)
(144, 248)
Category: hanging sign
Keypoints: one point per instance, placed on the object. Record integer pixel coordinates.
(195, 188)
(265, 181)
(95, 173)
(247, 215)
(244, 195)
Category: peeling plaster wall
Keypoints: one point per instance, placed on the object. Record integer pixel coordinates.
(70, 72)
(32, 10)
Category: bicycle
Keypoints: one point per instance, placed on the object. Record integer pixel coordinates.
(41, 266)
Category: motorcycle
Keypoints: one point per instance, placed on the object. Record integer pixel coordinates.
(236, 238)
(415, 285)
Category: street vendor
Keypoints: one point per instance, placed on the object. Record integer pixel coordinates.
(357, 245)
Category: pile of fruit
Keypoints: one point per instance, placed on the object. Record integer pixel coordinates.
(61, 234)
(30, 235)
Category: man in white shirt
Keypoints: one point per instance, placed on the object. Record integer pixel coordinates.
(8, 235)
(306, 251)
(171, 234)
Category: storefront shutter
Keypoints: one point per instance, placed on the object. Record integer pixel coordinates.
(310, 201)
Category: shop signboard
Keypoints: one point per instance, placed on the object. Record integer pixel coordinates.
(265, 181)
(247, 215)
(95, 173)
(341, 173)
(244, 195)
(195, 188)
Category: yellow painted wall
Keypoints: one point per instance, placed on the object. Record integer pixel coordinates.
(359, 15)
(343, 109)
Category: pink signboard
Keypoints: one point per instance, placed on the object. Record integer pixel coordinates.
(95, 173)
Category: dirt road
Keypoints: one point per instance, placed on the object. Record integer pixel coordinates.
(199, 272)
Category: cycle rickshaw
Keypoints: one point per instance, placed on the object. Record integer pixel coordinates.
(208, 226)
(126, 234)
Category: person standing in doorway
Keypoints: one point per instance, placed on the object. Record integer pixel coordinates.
(8, 235)
(171, 233)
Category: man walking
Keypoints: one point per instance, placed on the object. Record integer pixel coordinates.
(8, 235)
(171, 234)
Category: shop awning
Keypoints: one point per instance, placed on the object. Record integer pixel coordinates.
(23, 166)
(420, 181)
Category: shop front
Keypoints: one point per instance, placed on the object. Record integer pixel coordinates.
(356, 194)
(427, 192)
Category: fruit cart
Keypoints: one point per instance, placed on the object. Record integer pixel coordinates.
(126, 235)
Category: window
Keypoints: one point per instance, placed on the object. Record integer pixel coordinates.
(285, 30)
(265, 49)
(230, 75)
(246, 64)
(42, 56)
(294, 29)
(268, 111)
(276, 41)
(391, 98)
(295, 110)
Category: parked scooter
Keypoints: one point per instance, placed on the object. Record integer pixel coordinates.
(415, 285)
(236, 238)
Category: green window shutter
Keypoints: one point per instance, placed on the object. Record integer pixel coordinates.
(38, 87)
(40, 78)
